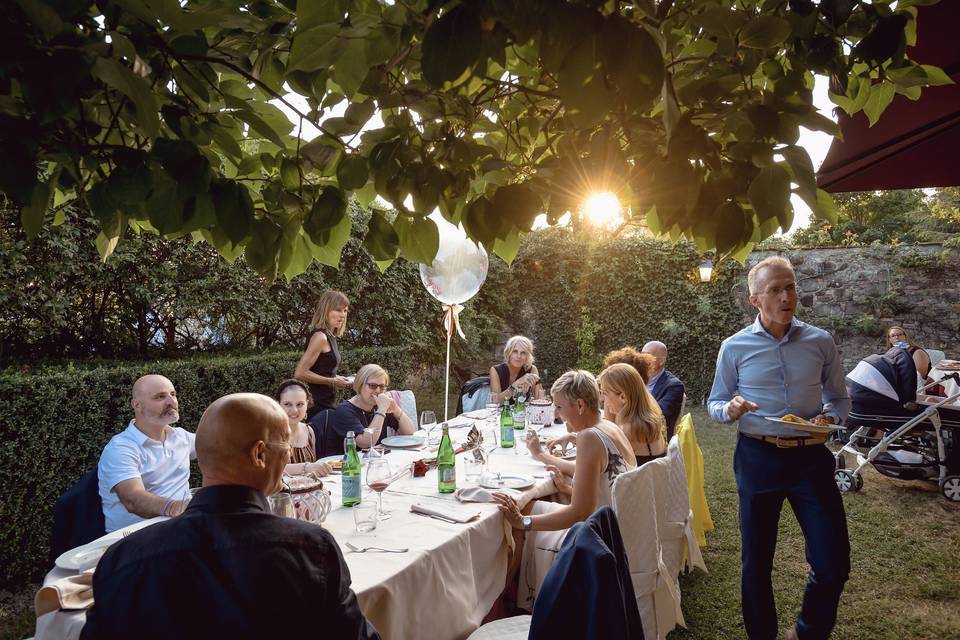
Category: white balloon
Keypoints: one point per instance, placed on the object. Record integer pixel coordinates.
(458, 270)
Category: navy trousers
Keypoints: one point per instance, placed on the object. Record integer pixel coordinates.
(766, 476)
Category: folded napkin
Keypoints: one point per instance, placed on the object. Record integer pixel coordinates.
(446, 512)
(460, 421)
(479, 494)
(70, 593)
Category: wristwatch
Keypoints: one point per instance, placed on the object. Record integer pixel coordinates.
(527, 522)
(379, 413)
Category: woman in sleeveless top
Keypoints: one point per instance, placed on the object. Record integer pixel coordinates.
(293, 396)
(516, 375)
(321, 357)
(628, 403)
(920, 357)
(603, 453)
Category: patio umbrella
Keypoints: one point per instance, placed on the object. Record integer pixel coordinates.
(914, 143)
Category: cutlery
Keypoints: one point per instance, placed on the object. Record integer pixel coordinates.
(436, 517)
(357, 549)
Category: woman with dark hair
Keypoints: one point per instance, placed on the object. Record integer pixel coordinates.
(321, 357)
(294, 397)
(921, 358)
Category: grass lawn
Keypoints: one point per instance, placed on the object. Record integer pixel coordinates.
(905, 541)
(905, 538)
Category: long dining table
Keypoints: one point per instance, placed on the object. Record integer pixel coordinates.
(451, 574)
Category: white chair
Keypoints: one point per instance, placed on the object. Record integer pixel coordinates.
(674, 516)
(658, 598)
(408, 403)
(935, 356)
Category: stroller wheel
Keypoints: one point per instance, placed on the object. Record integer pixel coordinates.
(950, 488)
(846, 481)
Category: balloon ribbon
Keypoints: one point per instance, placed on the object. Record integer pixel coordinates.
(451, 319)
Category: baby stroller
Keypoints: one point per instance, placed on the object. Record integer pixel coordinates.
(897, 428)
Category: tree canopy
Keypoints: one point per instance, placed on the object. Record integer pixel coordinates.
(163, 115)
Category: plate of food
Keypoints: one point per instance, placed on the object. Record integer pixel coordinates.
(335, 462)
(820, 426)
(948, 365)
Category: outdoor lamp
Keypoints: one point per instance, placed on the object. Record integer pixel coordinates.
(706, 270)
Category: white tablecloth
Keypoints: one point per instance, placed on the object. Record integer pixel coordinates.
(442, 587)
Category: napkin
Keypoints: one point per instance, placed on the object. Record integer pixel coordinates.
(460, 421)
(458, 515)
(72, 592)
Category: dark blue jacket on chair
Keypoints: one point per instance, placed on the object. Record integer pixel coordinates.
(77, 516)
(588, 592)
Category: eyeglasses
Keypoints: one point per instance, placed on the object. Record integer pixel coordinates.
(777, 291)
(376, 387)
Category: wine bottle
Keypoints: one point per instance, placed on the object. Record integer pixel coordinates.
(446, 464)
(350, 473)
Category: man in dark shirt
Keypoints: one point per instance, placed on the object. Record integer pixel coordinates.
(667, 389)
(227, 567)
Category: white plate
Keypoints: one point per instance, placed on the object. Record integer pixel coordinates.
(809, 427)
(402, 441)
(84, 556)
(330, 458)
(491, 481)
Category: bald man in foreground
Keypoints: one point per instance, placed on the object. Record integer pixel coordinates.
(144, 470)
(227, 567)
(666, 388)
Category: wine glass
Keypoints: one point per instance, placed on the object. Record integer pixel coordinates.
(379, 477)
(428, 421)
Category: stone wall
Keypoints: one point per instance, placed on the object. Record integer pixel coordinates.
(857, 292)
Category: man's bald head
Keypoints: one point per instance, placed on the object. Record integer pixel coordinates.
(243, 439)
(659, 351)
(154, 402)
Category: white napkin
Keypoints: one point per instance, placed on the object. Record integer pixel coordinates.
(460, 421)
(479, 494)
(445, 512)
(70, 593)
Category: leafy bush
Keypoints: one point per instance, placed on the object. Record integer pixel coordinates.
(57, 421)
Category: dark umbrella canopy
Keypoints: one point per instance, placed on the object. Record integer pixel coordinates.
(914, 143)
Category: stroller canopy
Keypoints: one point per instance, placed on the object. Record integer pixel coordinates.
(883, 383)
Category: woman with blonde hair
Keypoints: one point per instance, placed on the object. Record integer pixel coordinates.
(603, 453)
(370, 414)
(321, 358)
(516, 375)
(628, 403)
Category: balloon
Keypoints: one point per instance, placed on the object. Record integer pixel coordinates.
(459, 268)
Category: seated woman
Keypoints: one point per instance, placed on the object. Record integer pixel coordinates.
(603, 453)
(644, 363)
(920, 357)
(628, 403)
(516, 375)
(369, 414)
(321, 358)
(294, 397)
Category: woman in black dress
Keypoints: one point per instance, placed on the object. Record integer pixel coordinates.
(321, 358)
(516, 375)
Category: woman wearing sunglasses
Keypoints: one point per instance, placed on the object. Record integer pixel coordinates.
(370, 413)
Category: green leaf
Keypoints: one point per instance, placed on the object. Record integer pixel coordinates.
(326, 213)
(730, 225)
(451, 45)
(260, 126)
(321, 152)
(351, 67)
(936, 76)
(44, 17)
(105, 245)
(311, 14)
(352, 172)
(315, 48)
(366, 194)
(31, 216)
(803, 173)
(825, 208)
(234, 209)
(418, 237)
(289, 173)
(764, 32)
(581, 84)
(133, 87)
(770, 193)
(263, 251)
(381, 240)
(880, 97)
(508, 247)
(329, 252)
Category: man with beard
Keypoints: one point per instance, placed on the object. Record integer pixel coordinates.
(144, 470)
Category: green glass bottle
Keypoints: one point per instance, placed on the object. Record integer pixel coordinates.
(446, 464)
(506, 426)
(350, 473)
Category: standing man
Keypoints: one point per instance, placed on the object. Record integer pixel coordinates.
(144, 470)
(666, 388)
(775, 366)
(227, 567)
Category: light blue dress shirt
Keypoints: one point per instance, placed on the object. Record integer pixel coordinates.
(802, 374)
(653, 380)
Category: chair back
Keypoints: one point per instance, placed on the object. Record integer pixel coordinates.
(935, 356)
(408, 404)
(474, 394)
(588, 592)
(77, 516)
(325, 438)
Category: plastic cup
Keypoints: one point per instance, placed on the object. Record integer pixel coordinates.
(365, 516)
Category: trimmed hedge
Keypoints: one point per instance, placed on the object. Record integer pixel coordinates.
(56, 423)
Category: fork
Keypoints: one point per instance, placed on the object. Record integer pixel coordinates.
(357, 549)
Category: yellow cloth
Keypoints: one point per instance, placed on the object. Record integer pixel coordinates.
(693, 461)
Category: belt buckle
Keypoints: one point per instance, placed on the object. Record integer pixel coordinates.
(792, 444)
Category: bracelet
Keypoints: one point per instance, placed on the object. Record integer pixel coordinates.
(379, 413)
(166, 505)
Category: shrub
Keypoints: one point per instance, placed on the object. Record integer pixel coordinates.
(57, 421)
